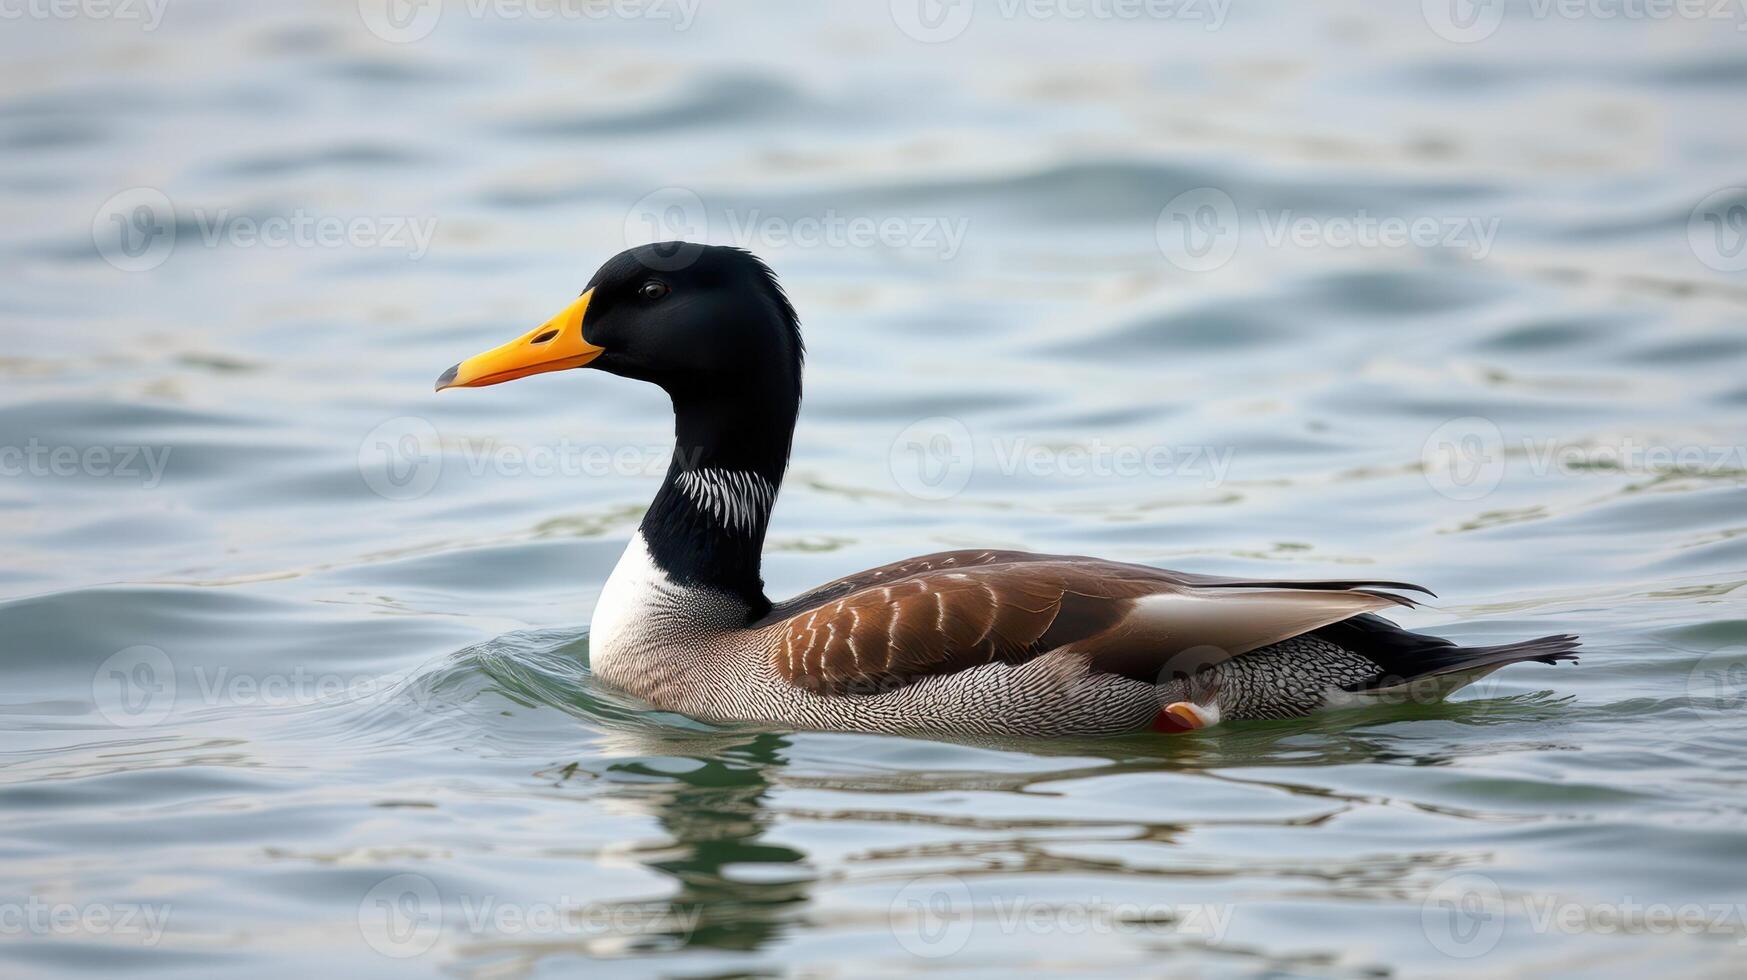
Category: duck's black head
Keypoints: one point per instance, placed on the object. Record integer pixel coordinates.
(694, 317)
(710, 325)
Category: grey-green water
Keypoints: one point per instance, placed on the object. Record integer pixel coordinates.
(293, 652)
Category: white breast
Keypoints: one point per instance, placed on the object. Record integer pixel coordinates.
(636, 594)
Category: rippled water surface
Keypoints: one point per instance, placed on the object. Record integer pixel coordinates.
(295, 652)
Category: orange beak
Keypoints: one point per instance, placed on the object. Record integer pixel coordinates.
(555, 345)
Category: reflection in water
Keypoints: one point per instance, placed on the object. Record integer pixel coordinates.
(739, 890)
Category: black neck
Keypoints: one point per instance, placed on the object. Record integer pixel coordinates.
(707, 523)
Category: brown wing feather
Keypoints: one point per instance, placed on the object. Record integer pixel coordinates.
(952, 611)
(886, 574)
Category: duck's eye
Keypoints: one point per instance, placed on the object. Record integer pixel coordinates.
(652, 289)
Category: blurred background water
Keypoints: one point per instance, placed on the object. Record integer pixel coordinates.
(294, 651)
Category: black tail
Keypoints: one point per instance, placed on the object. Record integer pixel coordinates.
(1405, 655)
(1544, 649)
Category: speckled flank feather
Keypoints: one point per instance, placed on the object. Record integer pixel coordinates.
(1289, 679)
(1311, 673)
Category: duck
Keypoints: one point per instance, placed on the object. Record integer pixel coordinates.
(968, 643)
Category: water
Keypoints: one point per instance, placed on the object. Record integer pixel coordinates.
(295, 650)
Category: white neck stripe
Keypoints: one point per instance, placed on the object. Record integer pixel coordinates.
(739, 499)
